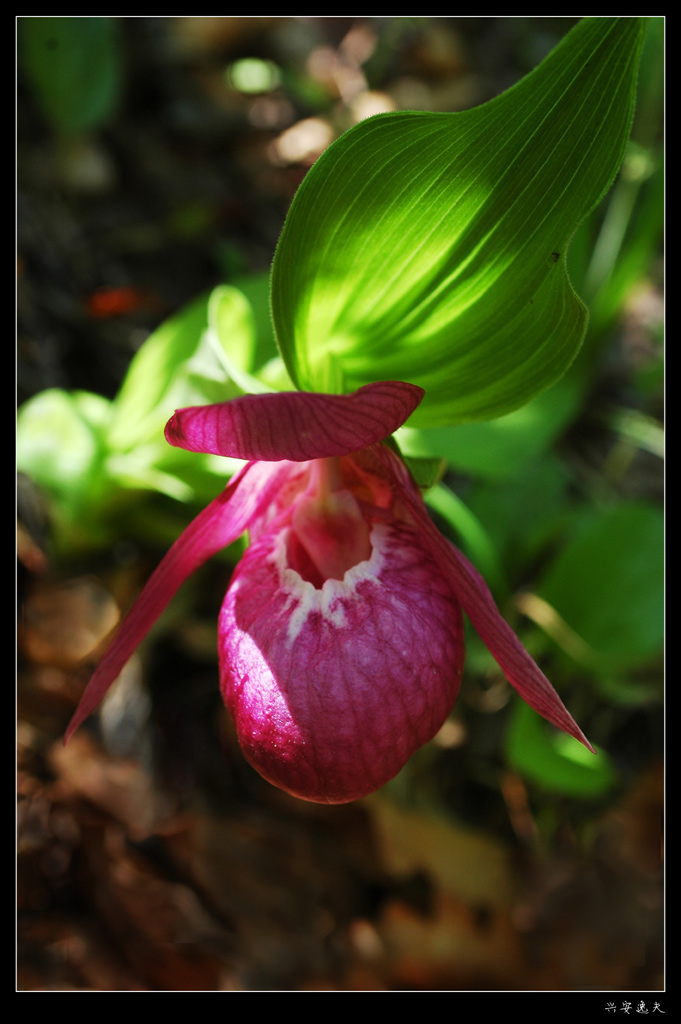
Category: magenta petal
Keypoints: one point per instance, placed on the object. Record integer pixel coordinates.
(295, 425)
(214, 528)
(518, 666)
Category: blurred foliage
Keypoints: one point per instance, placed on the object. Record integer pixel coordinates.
(75, 68)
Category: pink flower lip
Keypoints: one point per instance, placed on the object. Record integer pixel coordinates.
(332, 688)
(340, 638)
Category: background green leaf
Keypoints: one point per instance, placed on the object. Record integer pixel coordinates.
(606, 584)
(74, 67)
(553, 761)
(156, 380)
(242, 336)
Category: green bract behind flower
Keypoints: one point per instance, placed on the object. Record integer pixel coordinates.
(431, 247)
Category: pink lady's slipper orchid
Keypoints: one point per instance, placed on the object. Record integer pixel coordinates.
(340, 637)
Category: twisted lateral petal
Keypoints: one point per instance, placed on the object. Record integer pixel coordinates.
(518, 666)
(218, 525)
(295, 425)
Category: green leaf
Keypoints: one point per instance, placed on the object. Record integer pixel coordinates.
(502, 448)
(524, 513)
(241, 334)
(176, 366)
(469, 534)
(59, 440)
(430, 247)
(231, 329)
(74, 68)
(554, 761)
(61, 446)
(606, 587)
